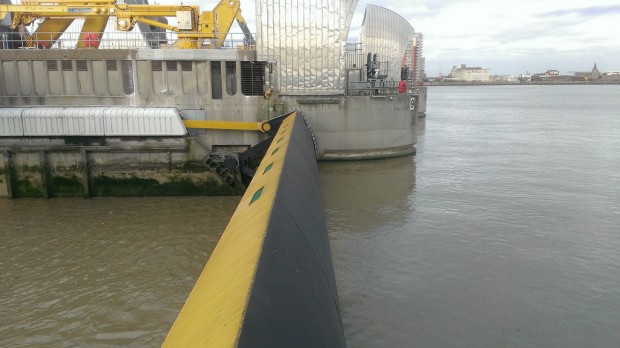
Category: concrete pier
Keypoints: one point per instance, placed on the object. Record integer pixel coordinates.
(142, 166)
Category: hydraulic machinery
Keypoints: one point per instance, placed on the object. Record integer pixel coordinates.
(193, 28)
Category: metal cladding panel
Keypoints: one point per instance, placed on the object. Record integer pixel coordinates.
(386, 33)
(11, 122)
(43, 122)
(306, 38)
(128, 121)
(57, 121)
(83, 121)
(355, 61)
(91, 121)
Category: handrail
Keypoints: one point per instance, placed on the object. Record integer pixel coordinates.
(109, 40)
(373, 87)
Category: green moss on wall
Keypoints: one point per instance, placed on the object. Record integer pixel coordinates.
(190, 178)
(62, 186)
(132, 186)
(194, 167)
(25, 188)
(177, 186)
(31, 169)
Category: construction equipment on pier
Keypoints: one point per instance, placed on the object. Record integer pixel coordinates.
(193, 27)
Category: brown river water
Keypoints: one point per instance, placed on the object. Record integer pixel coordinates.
(503, 231)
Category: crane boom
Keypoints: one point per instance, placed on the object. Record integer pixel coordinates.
(193, 26)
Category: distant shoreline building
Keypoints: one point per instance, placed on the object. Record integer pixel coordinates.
(478, 76)
(595, 73)
(593, 76)
(470, 74)
(547, 75)
(413, 61)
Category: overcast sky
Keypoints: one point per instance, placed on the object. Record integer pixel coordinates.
(513, 37)
(508, 36)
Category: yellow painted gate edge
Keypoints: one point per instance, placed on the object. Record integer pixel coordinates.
(213, 314)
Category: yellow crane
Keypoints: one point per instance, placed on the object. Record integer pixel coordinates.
(193, 26)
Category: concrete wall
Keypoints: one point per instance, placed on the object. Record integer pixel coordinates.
(345, 128)
(126, 77)
(422, 100)
(360, 127)
(60, 167)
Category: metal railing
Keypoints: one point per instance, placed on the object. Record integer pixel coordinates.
(110, 40)
(373, 87)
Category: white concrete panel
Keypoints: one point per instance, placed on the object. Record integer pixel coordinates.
(11, 122)
(56, 121)
(42, 122)
(91, 121)
(128, 121)
(83, 121)
(10, 78)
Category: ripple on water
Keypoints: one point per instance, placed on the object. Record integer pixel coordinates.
(101, 272)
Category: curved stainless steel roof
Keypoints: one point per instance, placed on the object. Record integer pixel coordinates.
(386, 33)
(306, 38)
(91, 121)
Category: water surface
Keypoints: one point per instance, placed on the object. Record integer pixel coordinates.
(101, 272)
(501, 232)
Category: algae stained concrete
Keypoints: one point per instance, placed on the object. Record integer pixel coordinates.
(124, 168)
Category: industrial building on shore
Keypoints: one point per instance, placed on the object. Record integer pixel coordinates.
(592, 76)
(465, 75)
(469, 74)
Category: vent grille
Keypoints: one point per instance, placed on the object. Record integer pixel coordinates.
(127, 70)
(111, 65)
(52, 65)
(216, 80)
(231, 78)
(252, 78)
(82, 65)
(186, 66)
(156, 65)
(67, 65)
(171, 65)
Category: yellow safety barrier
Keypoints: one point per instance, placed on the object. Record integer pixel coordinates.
(214, 312)
(228, 125)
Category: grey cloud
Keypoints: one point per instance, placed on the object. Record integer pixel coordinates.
(592, 11)
(543, 29)
(516, 36)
